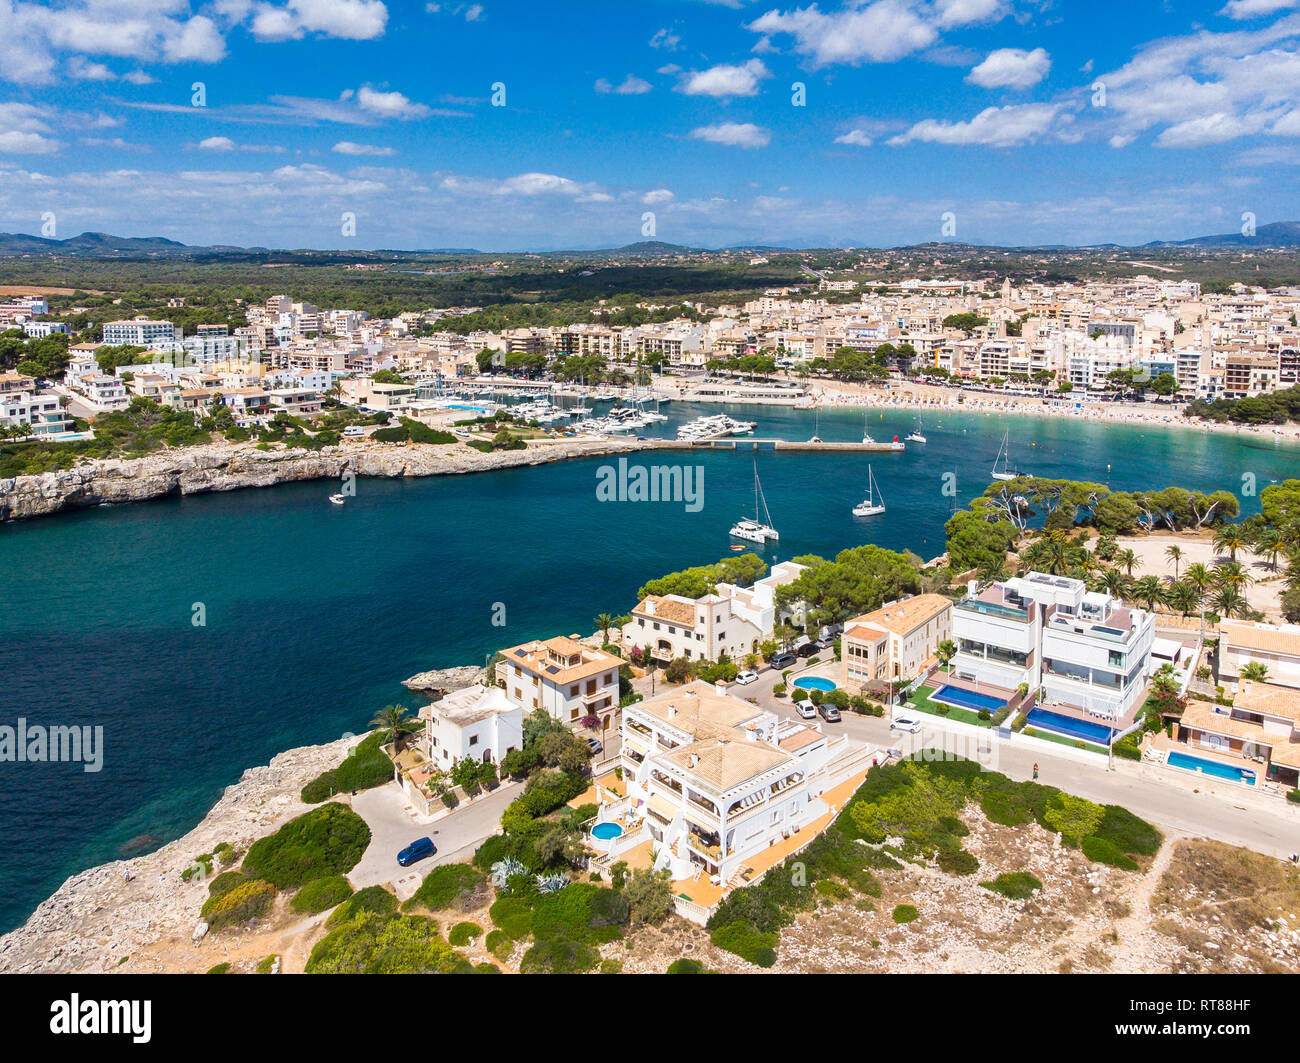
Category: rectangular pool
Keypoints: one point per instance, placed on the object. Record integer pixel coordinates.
(1068, 725)
(966, 699)
(1211, 767)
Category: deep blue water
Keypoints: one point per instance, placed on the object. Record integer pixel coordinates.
(316, 612)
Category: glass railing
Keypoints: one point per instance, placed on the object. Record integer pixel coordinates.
(974, 605)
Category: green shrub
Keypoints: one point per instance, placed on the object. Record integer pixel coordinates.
(267, 964)
(225, 854)
(239, 906)
(1293, 796)
(321, 788)
(905, 913)
(1104, 851)
(373, 943)
(559, 954)
(500, 944)
(512, 916)
(686, 966)
(366, 767)
(326, 841)
(1016, 885)
(1129, 833)
(321, 893)
(746, 941)
(958, 862)
(444, 885)
(220, 968)
(611, 966)
(225, 882)
(463, 933)
(836, 891)
(373, 899)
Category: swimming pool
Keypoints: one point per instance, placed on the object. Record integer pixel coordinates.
(966, 699)
(1068, 725)
(606, 831)
(1211, 767)
(814, 682)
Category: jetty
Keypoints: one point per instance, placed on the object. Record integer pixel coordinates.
(749, 443)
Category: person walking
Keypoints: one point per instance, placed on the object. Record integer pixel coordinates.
(1035, 769)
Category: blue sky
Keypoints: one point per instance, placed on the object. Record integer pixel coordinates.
(1031, 121)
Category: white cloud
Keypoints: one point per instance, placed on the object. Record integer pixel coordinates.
(858, 137)
(630, 86)
(82, 69)
(726, 80)
(877, 33)
(1243, 9)
(217, 144)
(999, 127)
(666, 40)
(389, 104)
(951, 13)
(348, 147)
(1011, 68)
(735, 134)
(656, 197)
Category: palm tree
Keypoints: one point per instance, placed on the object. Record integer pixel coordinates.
(1128, 559)
(1112, 581)
(1175, 554)
(1228, 537)
(946, 651)
(1148, 589)
(1199, 576)
(1254, 671)
(604, 621)
(1268, 543)
(1231, 574)
(1183, 597)
(1228, 601)
(1056, 556)
(395, 722)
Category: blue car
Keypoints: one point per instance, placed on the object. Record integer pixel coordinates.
(417, 850)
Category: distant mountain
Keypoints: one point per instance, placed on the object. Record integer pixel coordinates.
(92, 245)
(1274, 234)
(645, 249)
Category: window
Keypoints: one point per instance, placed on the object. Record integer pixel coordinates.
(1116, 659)
(573, 691)
(473, 740)
(573, 714)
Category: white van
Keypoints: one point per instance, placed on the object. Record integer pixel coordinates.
(354, 430)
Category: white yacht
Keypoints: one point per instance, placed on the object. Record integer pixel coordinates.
(754, 530)
(338, 500)
(917, 435)
(874, 503)
(817, 423)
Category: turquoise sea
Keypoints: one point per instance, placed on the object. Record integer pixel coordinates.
(314, 613)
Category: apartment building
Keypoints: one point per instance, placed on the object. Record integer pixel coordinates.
(1085, 651)
(1275, 646)
(733, 620)
(714, 781)
(561, 675)
(1248, 373)
(22, 404)
(895, 642)
(138, 332)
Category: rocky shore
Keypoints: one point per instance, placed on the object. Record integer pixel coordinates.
(230, 467)
(97, 920)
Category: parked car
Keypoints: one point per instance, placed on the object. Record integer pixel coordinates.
(746, 677)
(829, 713)
(905, 723)
(808, 649)
(595, 745)
(826, 642)
(783, 660)
(417, 850)
(805, 709)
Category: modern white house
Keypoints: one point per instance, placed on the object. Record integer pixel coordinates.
(713, 780)
(1085, 650)
(1275, 646)
(733, 620)
(569, 680)
(477, 722)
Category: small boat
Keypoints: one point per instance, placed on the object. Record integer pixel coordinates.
(1005, 472)
(817, 423)
(753, 530)
(874, 503)
(338, 500)
(916, 435)
(737, 547)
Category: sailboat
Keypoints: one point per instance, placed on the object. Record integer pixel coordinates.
(874, 503)
(753, 530)
(817, 423)
(916, 435)
(866, 436)
(1004, 473)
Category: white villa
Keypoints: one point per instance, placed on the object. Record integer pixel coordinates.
(1086, 650)
(477, 722)
(1276, 646)
(733, 620)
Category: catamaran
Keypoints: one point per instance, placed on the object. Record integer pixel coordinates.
(1005, 472)
(753, 530)
(874, 503)
(917, 435)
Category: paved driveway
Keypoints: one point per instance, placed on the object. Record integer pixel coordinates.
(394, 825)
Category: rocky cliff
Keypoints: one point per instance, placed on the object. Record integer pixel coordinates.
(229, 467)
